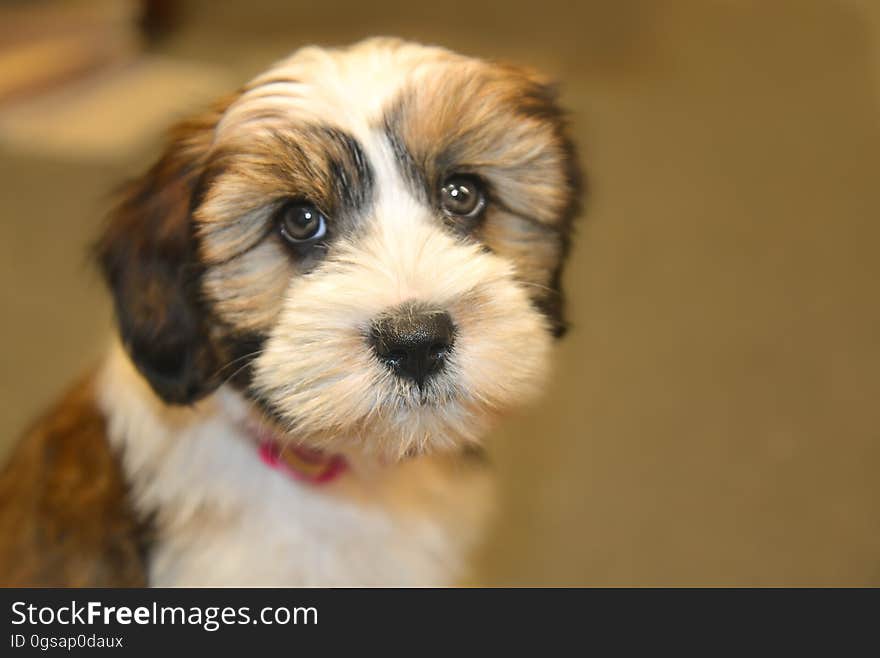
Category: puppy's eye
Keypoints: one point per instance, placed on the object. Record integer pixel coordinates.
(300, 221)
(462, 196)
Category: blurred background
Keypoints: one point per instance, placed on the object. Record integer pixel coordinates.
(715, 415)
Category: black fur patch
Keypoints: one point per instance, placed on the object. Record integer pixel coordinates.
(148, 258)
(241, 351)
(350, 169)
(415, 173)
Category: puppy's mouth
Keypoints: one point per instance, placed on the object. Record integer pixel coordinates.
(409, 395)
(304, 464)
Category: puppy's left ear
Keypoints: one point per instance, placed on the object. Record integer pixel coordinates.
(149, 260)
(541, 97)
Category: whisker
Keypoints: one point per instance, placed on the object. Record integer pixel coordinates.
(250, 355)
(234, 374)
(539, 286)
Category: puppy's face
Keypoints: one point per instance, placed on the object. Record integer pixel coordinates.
(367, 242)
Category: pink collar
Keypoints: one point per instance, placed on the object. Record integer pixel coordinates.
(303, 464)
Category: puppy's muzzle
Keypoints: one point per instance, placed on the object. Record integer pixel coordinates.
(412, 342)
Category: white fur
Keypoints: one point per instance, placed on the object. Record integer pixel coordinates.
(225, 518)
(349, 87)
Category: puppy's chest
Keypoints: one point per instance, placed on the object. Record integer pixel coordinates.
(223, 517)
(294, 536)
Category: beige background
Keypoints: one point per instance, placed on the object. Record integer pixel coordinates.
(715, 415)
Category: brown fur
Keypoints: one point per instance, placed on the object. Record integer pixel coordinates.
(498, 122)
(64, 514)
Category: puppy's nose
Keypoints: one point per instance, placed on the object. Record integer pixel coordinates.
(413, 343)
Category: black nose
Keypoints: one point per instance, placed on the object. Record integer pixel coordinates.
(413, 343)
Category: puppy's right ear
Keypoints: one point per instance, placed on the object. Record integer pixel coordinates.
(149, 260)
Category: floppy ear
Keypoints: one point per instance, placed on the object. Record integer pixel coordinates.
(543, 99)
(149, 259)
(554, 305)
(575, 184)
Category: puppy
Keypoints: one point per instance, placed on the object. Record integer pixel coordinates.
(326, 289)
